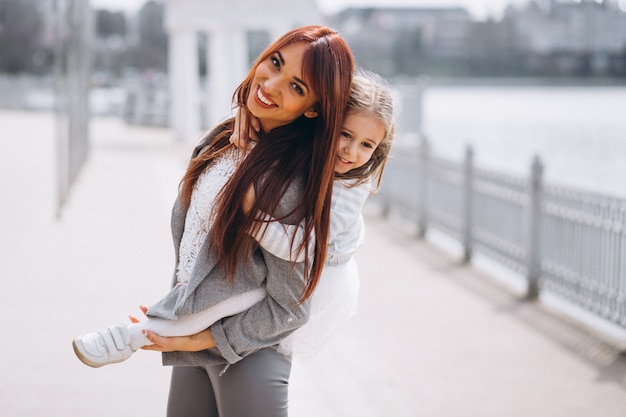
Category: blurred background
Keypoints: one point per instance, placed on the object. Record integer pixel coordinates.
(513, 78)
(510, 153)
(503, 82)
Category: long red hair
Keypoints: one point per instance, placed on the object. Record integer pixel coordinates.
(305, 148)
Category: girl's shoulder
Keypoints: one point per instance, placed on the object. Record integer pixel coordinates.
(351, 192)
(353, 185)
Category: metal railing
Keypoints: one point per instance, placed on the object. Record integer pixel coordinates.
(569, 242)
(73, 32)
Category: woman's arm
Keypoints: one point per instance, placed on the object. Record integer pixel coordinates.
(194, 343)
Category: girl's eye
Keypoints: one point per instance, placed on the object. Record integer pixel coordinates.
(367, 145)
(346, 135)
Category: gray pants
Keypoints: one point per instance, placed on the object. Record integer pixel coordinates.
(256, 386)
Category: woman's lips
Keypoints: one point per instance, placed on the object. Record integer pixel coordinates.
(263, 100)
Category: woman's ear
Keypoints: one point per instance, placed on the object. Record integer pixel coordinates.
(311, 113)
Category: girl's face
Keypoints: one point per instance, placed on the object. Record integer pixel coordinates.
(279, 94)
(360, 135)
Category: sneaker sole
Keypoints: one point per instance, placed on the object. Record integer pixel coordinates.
(83, 359)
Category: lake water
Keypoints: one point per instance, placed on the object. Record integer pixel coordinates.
(579, 132)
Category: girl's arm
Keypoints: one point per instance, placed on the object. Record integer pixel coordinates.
(282, 240)
(279, 239)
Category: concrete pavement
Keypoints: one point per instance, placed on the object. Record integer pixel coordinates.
(431, 338)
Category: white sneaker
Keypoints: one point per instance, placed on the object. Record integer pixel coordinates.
(111, 345)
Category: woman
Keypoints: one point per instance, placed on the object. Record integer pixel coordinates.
(298, 90)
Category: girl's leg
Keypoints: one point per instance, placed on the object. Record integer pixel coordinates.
(194, 323)
(256, 386)
(118, 342)
(191, 393)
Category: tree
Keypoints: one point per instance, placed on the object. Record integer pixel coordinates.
(110, 24)
(20, 34)
(151, 49)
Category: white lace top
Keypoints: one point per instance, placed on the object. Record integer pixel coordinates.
(198, 221)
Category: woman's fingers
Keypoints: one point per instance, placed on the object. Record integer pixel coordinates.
(248, 200)
(238, 137)
(159, 343)
(241, 135)
(256, 126)
(194, 343)
(134, 319)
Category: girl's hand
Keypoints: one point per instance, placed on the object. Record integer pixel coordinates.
(240, 137)
(194, 343)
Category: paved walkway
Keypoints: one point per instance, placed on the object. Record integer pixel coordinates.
(431, 338)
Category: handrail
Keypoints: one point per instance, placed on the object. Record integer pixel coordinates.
(567, 241)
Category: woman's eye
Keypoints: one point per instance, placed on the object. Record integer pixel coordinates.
(275, 62)
(298, 89)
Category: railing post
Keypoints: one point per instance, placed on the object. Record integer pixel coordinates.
(71, 25)
(466, 202)
(386, 201)
(533, 228)
(423, 154)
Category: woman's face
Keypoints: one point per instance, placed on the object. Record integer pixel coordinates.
(361, 134)
(279, 94)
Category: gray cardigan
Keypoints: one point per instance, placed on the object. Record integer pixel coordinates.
(264, 324)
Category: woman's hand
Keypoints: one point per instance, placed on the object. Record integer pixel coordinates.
(248, 200)
(143, 309)
(194, 343)
(240, 138)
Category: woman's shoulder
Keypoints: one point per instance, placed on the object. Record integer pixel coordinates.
(207, 138)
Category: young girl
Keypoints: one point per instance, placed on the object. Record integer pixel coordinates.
(364, 145)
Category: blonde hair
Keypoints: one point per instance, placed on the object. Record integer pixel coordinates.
(370, 94)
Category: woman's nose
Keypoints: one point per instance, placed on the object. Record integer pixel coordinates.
(272, 84)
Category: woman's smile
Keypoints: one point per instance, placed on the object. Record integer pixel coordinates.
(264, 99)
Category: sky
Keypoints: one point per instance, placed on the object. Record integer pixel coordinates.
(479, 8)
